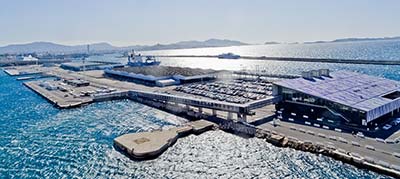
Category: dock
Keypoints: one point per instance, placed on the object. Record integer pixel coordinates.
(56, 99)
(11, 72)
(63, 94)
(27, 70)
(5, 63)
(148, 145)
(33, 77)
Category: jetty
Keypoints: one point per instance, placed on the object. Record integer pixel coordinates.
(148, 145)
(60, 100)
(300, 59)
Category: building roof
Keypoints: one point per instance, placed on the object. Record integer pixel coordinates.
(81, 64)
(159, 71)
(351, 89)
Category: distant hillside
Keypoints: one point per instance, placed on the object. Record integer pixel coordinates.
(53, 47)
(40, 47)
(271, 43)
(355, 40)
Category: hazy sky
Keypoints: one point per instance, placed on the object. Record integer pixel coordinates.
(129, 22)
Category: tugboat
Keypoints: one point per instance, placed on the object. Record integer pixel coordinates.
(228, 56)
(139, 60)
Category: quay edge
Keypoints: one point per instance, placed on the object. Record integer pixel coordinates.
(281, 140)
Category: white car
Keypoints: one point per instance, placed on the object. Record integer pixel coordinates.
(396, 121)
(387, 127)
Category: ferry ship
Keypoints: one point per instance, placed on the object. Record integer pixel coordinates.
(228, 56)
(139, 60)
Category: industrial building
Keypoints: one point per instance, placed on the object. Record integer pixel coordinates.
(161, 75)
(90, 65)
(353, 98)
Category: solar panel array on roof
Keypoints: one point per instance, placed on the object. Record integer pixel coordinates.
(356, 90)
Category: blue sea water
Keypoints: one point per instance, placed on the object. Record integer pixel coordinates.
(40, 141)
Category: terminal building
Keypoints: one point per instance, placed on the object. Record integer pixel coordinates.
(90, 65)
(353, 98)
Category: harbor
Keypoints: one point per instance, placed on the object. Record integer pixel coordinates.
(200, 89)
(243, 103)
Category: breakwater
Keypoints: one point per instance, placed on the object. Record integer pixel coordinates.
(299, 59)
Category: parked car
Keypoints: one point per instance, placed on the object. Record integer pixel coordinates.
(387, 127)
(396, 121)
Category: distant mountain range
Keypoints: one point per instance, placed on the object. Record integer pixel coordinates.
(42, 47)
(355, 40)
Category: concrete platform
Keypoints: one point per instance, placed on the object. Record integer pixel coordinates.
(12, 72)
(57, 97)
(148, 145)
(201, 126)
(26, 70)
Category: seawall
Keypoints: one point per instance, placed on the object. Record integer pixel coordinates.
(281, 140)
(297, 59)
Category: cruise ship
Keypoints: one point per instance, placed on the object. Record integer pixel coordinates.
(139, 60)
(228, 56)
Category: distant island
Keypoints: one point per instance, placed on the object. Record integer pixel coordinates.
(49, 47)
(355, 40)
(271, 43)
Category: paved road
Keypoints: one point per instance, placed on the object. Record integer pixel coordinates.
(382, 151)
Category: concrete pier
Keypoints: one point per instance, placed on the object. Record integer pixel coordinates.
(57, 100)
(148, 145)
(19, 62)
(67, 96)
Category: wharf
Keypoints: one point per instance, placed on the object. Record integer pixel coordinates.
(56, 98)
(33, 77)
(27, 70)
(11, 72)
(148, 145)
(5, 63)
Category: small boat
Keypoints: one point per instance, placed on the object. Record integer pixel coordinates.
(228, 56)
(139, 60)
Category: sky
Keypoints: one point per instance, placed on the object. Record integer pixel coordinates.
(145, 22)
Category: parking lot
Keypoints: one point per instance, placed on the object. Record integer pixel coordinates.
(235, 91)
